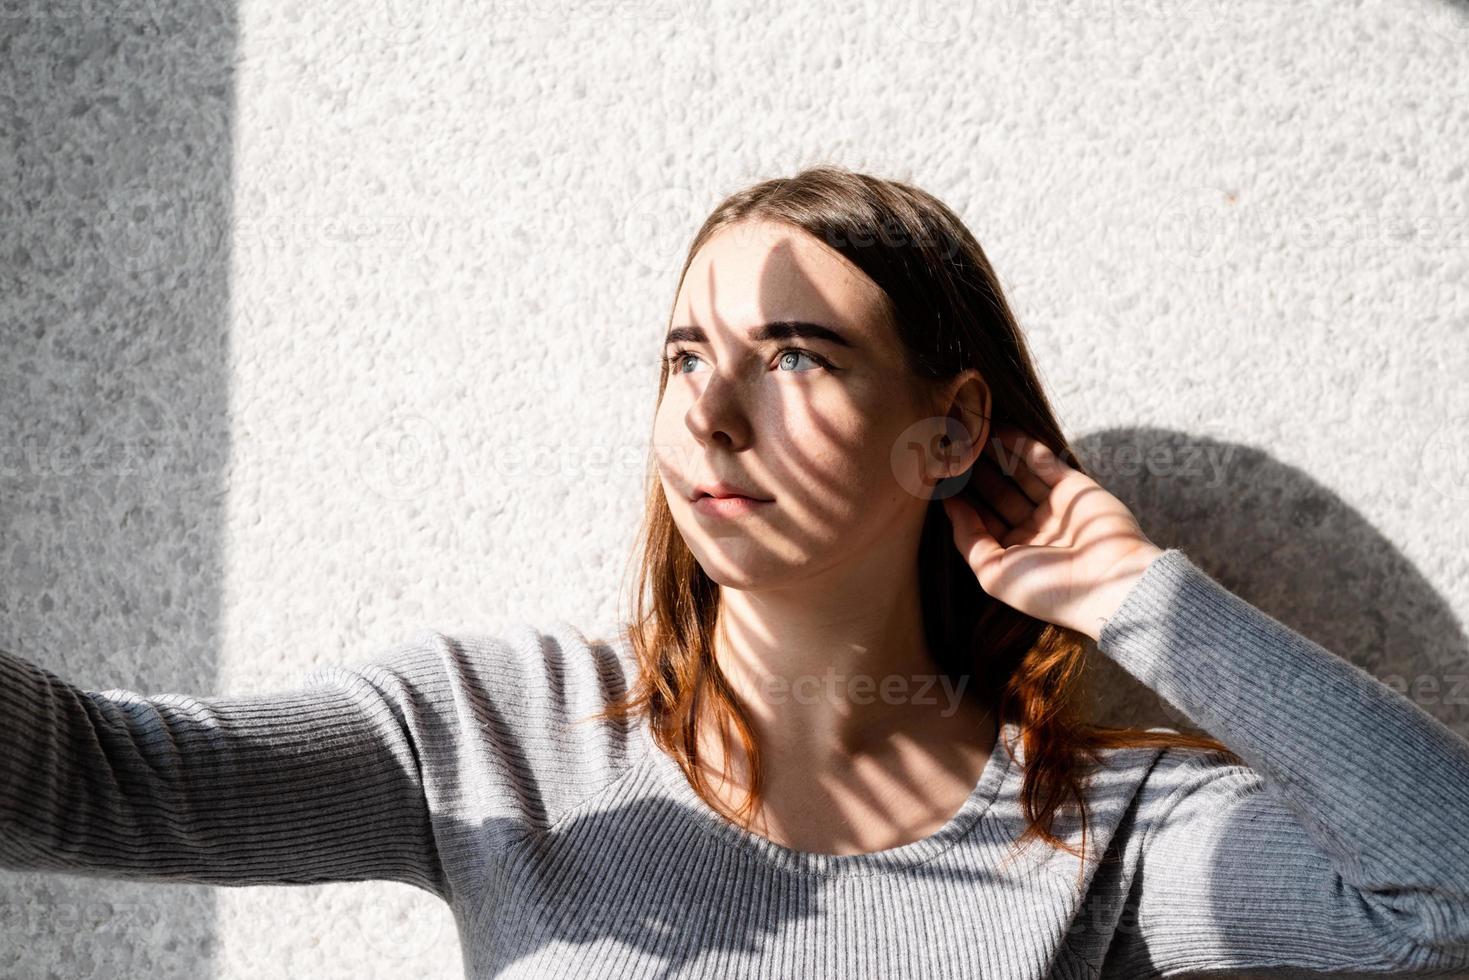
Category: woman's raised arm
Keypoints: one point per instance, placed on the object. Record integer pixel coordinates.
(1339, 848)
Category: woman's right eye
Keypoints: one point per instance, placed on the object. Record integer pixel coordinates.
(676, 359)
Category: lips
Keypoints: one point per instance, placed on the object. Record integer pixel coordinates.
(726, 508)
(724, 490)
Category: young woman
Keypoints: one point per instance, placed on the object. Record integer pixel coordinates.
(838, 735)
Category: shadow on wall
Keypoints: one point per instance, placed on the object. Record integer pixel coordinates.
(115, 129)
(1284, 543)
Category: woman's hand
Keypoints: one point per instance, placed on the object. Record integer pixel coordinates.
(1046, 538)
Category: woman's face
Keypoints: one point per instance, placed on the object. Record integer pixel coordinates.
(823, 436)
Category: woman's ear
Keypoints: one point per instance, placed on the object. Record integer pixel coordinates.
(969, 413)
(947, 438)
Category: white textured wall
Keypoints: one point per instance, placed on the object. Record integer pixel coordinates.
(378, 288)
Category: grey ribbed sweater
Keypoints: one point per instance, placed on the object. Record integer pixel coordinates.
(456, 763)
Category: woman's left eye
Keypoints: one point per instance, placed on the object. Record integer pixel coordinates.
(798, 352)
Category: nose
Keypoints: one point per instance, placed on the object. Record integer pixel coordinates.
(718, 415)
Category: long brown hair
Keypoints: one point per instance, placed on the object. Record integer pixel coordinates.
(945, 302)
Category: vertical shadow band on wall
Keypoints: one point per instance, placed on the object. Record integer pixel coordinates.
(115, 177)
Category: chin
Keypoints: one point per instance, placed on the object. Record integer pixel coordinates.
(733, 565)
(738, 580)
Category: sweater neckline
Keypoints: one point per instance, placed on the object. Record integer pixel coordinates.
(888, 860)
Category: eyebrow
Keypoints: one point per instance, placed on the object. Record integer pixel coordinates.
(777, 330)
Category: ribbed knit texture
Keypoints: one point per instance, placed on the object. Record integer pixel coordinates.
(456, 763)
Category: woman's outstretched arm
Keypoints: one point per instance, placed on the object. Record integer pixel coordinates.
(315, 785)
(1341, 847)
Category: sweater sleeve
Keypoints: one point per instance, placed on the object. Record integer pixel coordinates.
(320, 784)
(1338, 849)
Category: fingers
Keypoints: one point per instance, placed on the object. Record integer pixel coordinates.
(1027, 461)
(977, 531)
(999, 493)
(993, 524)
(1013, 464)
